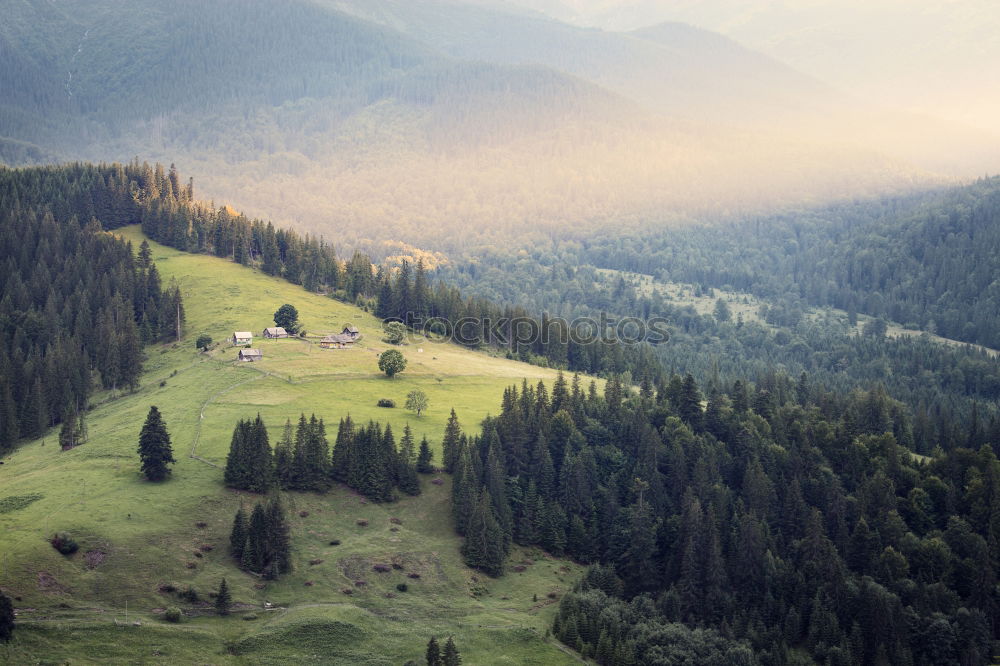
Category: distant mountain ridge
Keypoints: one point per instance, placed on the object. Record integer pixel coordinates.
(440, 124)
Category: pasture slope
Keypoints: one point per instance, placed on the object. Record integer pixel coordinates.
(135, 537)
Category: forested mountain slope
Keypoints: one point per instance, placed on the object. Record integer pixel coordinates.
(371, 582)
(929, 261)
(777, 522)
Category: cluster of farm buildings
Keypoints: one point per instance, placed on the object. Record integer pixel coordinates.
(343, 340)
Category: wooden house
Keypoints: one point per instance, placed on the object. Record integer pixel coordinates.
(242, 338)
(351, 331)
(275, 332)
(251, 355)
(340, 341)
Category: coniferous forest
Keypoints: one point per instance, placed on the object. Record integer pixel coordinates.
(747, 493)
(751, 524)
(77, 304)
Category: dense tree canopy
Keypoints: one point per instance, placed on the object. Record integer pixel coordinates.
(76, 305)
(781, 519)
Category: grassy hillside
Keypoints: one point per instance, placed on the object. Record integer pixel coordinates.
(135, 536)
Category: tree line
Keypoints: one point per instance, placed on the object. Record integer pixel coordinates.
(262, 542)
(943, 386)
(366, 458)
(928, 260)
(781, 521)
(76, 305)
(164, 204)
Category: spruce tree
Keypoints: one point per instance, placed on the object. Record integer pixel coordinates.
(70, 434)
(261, 465)
(300, 471)
(342, 457)
(552, 528)
(433, 654)
(311, 458)
(409, 482)
(425, 457)
(494, 480)
(463, 489)
(525, 532)
(6, 618)
(249, 465)
(238, 535)
(283, 455)
(451, 656)
(223, 600)
(449, 445)
(255, 553)
(278, 553)
(154, 447)
(237, 472)
(484, 538)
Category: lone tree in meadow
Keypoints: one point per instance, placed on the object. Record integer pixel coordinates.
(223, 600)
(287, 317)
(416, 401)
(154, 447)
(391, 362)
(6, 618)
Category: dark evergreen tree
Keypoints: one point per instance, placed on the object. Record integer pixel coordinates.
(449, 445)
(155, 452)
(223, 599)
(408, 480)
(238, 534)
(464, 491)
(451, 656)
(344, 456)
(6, 618)
(284, 455)
(425, 457)
(255, 553)
(433, 654)
(278, 540)
(311, 456)
(249, 465)
(483, 548)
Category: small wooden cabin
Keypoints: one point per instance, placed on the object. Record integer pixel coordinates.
(337, 342)
(275, 332)
(251, 355)
(242, 338)
(351, 331)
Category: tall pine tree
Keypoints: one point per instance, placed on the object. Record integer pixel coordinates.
(155, 452)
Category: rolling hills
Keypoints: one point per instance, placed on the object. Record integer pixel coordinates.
(136, 537)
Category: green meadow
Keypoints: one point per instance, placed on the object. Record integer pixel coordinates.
(138, 540)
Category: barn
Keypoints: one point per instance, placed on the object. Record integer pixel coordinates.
(251, 355)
